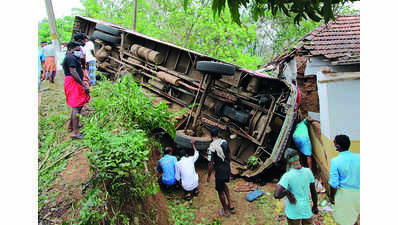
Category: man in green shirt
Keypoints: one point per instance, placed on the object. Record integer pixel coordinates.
(296, 184)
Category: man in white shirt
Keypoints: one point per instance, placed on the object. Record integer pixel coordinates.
(90, 59)
(186, 174)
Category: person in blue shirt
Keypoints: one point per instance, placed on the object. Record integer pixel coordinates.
(302, 140)
(345, 182)
(166, 167)
(42, 59)
(296, 184)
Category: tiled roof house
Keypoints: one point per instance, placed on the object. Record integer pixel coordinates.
(325, 64)
(338, 41)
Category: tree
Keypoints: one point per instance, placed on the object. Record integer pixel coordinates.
(64, 27)
(279, 32)
(313, 10)
(168, 21)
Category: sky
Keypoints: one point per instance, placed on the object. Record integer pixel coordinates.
(61, 8)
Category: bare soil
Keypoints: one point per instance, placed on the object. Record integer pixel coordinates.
(70, 184)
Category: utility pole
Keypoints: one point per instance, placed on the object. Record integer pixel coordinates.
(62, 30)
(135, 15)
(53, 28)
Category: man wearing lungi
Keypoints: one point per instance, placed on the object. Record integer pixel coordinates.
(50, 67)
(76, 92)
(344, 182)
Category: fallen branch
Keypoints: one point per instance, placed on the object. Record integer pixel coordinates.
(146, 168)
(106, 191)
(62, 157)
(47, 154)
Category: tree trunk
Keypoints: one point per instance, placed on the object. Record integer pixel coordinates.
(135, 15)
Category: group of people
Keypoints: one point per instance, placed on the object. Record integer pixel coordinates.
(48, 66)
(79, 66)
(182, 173)
(298, 183)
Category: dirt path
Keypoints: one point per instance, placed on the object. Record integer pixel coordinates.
(64, 192)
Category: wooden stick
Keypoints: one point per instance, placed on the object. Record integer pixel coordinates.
(62, 157)
(47, 154)
(209, 80)
(194, 102)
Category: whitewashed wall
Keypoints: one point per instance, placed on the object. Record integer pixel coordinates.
(339, 106)
(315, 64)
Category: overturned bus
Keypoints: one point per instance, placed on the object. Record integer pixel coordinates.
(255, 111)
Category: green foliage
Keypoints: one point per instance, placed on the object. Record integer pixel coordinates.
(314, 10)
(271, 207)
(192, 28)
(51, 143)
(127, 106)
(50, 139)
(252, 162)
(64, 28)
(219, 38)
(92, 209)
(117, 134)
(181, 214)
(289, 33)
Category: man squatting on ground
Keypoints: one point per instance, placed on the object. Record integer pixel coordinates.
(345, 182)
(186, 174)
(166, 167)
(295, 184)
(76, 92)
(219, 156)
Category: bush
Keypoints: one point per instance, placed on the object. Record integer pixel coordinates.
(117, 134)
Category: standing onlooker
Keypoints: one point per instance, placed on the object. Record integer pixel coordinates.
(219, 159)
(76, 92)
(185, 171)
(166, 166)
(345, 180)
(63, 47)
(63, 52)
(295, 184)
(50, 66)
(90, 59)
(80, 37)
(42, 60)
(302, 140)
